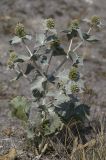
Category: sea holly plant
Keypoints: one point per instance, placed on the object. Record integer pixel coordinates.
(55, 90)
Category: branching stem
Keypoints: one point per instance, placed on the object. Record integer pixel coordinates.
(35, 64)
(65, 59)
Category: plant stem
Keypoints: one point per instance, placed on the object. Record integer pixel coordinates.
(69, 49)
(65, 59)
(89, 30)
(58, 67)
(78, 46)
(49, 64)
(35, 64)
(27, 48)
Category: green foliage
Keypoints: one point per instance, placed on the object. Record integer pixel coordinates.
(51, 123)
(20, 108)
(55, 92)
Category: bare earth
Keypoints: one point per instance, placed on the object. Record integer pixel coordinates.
(29, 11)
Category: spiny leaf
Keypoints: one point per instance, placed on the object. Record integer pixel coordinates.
(71, 34)
(29, 68)
(80, 33)
(60, 98)
(20, 74)
(63, 75)
(54, 124)
(77, 60)
(65, 110)
(16, 40)
(44, 60)
(22, 58)
(86, 35)
(20, 108)
(92, 39)
(81, 112)
(57, 51)
(37, 86)
(40, 38)
(28, 37)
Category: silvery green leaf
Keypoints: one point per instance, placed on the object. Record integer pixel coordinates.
(20, 108)
(81, 85)
(38, 83)
(22, 58)
(82, 112)
(35, 115)
(40, 38)
(44, 60)
(80, 61)
(92, 39)
(68, 87)
(86, 20)
(53, 93)
(80, 33)
(63, 75)
(85, 36)
(58, 51)
(65, 111)
(28, 37)
(37, 87)
(66, 31)
(29, 68)
(53, 31)
(61, 98)
(20, 74)
(76, 58)
(54, 123)
(70, 34)
(16, 40)
(50, 38)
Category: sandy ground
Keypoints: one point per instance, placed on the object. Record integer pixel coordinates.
(12, 11)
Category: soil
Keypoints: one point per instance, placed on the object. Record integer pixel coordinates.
(28, 12)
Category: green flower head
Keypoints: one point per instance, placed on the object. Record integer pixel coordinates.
(95, 21)
(20, 30)
(74, 74)
(74, 24)
(50, 23)
(74, 88)
(11, 59)
(55, 43)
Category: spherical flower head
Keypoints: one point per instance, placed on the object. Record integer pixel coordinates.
(95, 21)
(13, 56)
(20, 30)
(11, 59)
(74, 88)
(50, 23)
(74, 24)
(55, 43)
(10, 63)
(74, 74)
